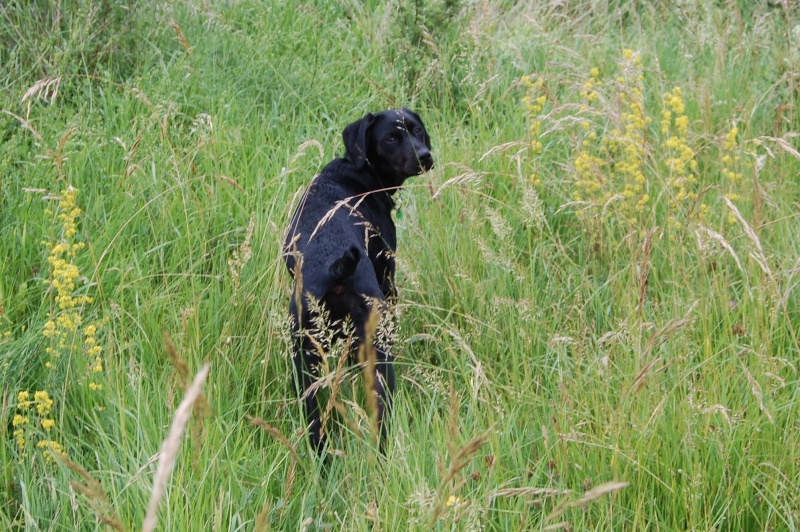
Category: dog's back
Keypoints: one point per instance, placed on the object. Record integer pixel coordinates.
(337, 212)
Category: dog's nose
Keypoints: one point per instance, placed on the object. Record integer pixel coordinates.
(426, 160)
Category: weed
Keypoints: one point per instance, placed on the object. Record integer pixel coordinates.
(596, 324)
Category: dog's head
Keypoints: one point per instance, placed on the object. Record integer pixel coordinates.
(394, 144)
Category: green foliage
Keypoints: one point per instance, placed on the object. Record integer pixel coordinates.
(598, 320)
(44, 38)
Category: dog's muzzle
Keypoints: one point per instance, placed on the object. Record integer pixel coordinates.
(425, 163)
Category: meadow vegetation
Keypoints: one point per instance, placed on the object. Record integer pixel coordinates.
(599, 319)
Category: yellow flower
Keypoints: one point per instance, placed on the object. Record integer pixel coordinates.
(534, 102)
(49, 329)
(452, 501)
(730, 160)
(94, 351)
(43, 402)
(61, 327)
(730, 139)
(49, 449)
(23, 399)
(682, 164)
(19, 436)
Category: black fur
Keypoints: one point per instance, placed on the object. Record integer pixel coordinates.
(341, 241)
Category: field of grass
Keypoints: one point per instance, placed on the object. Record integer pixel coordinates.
(599, 319)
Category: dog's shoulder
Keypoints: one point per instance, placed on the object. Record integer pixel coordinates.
(343, 175)
(330, 192)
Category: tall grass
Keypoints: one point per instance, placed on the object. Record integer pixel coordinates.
(598, 322)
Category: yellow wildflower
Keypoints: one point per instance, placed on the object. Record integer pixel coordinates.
(730, 162)
(730, 139)
(453, 501)
(23, 400)
(43, 402)
(534, 101)
(682, 164)
(589, 92)
(49, 449)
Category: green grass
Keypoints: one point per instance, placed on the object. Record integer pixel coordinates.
(565, 362)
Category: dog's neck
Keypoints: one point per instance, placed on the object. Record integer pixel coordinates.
(383, 190)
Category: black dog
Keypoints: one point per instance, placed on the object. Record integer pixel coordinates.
(340, 248)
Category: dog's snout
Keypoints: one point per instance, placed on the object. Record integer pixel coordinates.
(426, 160)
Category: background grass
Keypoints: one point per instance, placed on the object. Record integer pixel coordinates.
(552, 348)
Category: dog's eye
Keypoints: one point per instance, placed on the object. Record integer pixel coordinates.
(417, 131)
(390, 139)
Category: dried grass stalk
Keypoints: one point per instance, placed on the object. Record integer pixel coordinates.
(94, 493)
(462, 457)
(527, 492)
(468, 176)
(786, 145)
(301, 150)
(181, 38)
(262, 519)
(501, 148)
(745, 226)
(171, 445)
(592, 494)
(202, 408)
(44, 89)
(278, 436)
(713, 235)
(25, 125)
(756, 389)
(336, 379)
(368, 358)
(331, 213)
(180, 365)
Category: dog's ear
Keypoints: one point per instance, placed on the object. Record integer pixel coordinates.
(355, 137)
(418, 119)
